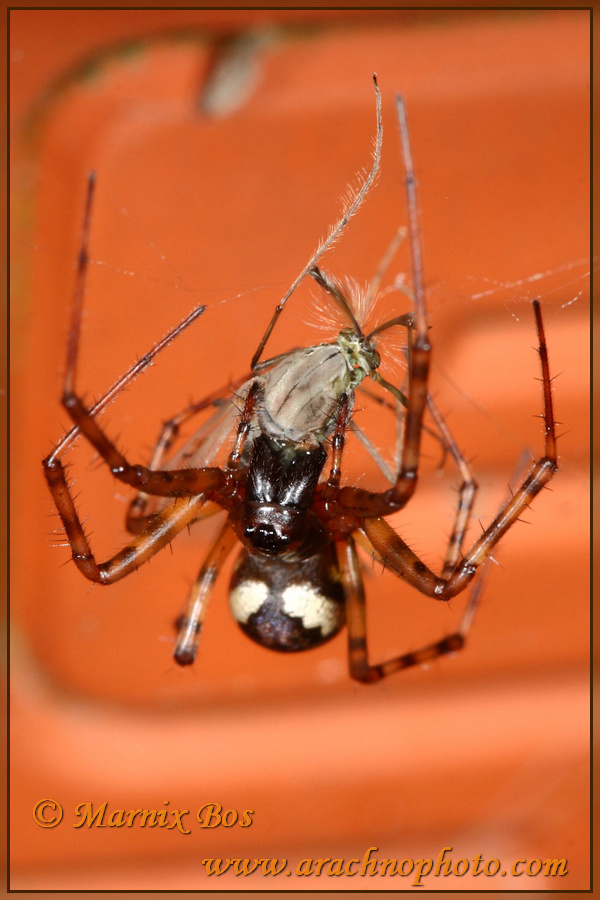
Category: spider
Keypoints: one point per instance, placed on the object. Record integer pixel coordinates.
(298, 580)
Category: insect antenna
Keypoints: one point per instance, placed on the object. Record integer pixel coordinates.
(407, 320)
(334, 233)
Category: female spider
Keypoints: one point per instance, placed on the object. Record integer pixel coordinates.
(297, 580)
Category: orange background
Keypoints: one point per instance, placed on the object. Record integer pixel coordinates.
(487, 752)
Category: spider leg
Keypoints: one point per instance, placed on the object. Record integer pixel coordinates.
(382, 401)
(191, 621)
(138, 523)
(398, 556)
(401, 559)
(466, 493)
(368, 503)
(165, 526)
(356, 619)
(467, 489)
(163, 483)
(419, 347)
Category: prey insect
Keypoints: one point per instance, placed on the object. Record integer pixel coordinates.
(297, 580)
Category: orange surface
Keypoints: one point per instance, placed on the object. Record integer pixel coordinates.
(487, 752)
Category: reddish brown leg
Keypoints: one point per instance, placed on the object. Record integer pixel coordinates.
(367, 503)
(420, 348)
(466, 491)
(173, 483)
(400, 558)
(170, 484)
(169, 522)
(466, 494)
(360, 668)
(191, 622)
(166, 525)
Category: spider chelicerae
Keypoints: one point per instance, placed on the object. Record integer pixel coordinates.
(298, 579)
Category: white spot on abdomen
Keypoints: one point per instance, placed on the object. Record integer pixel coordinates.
(315, 610)
(247, 598)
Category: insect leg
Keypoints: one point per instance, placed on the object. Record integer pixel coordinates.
(244, 426)
(391, 251)
(205, 443)
(83, 418)
(132, 373)
(338, 441)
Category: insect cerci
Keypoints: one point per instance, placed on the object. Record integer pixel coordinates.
(297, 580)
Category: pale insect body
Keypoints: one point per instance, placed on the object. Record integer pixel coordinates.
(301, 393)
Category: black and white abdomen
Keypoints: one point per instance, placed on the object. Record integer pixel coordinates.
(288, 606)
